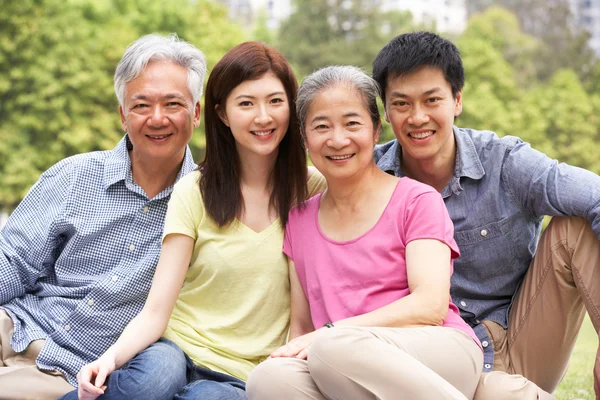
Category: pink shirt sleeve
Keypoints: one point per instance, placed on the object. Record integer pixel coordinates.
(426, 217)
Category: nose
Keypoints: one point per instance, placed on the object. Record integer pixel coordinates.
(263, 117)
(338, 139)
(158, 117)
(418, 116)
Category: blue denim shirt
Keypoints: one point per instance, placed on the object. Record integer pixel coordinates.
(500, 191)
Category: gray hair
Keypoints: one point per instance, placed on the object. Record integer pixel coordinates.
(156, 47)
(329, 77)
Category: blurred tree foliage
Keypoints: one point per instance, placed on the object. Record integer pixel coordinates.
(321, 33)
(553, 23)
(57, 60)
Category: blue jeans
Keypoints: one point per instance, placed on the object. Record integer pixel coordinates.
(163, 372)
(205, 384)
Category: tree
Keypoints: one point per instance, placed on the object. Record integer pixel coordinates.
(333, 32)
(57, 61)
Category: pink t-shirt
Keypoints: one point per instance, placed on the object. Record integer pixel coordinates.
(354, 277)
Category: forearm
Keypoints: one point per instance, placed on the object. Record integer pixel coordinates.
(11, 285)
(141, 332)
(416, 309)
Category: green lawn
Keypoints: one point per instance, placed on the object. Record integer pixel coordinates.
(579, 383)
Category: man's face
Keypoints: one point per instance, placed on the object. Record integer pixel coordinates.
(421, 109)
(159, 114)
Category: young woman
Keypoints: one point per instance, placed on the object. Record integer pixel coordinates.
(370, 262)
(221, 288)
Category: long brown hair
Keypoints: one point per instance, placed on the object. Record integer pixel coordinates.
(220, 179)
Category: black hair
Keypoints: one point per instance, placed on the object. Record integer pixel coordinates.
(408, 52)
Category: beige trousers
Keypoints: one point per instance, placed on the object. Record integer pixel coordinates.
(374, 363)
(20, 379)
(562, 282)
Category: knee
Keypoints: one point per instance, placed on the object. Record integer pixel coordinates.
(271, 379)
(158, 372)
(502, 386)
(335, 349)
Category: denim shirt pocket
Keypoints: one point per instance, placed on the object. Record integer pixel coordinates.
(483, 249)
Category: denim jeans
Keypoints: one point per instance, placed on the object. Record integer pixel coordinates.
(163, 372)
(156, 373)
(205, 384)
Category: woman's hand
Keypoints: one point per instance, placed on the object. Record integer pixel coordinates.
(297, 347)
(91, 378)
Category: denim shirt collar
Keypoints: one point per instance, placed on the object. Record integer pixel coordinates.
(467, 164)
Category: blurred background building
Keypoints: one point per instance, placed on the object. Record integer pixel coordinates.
(441, 15)
(587, 16)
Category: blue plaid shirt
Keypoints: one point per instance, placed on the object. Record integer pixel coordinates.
(78, 255)
(497, 197)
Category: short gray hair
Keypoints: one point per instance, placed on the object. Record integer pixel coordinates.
(155, 47)
(329, 77)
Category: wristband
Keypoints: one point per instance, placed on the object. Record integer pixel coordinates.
(328, 325)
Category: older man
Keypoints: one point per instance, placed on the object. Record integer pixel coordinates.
(78, 254)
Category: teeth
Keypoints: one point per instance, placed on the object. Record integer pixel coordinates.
(341, 157)
(262, 133)
(421, 135)
(159, 137)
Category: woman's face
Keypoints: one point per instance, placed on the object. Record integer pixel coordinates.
(258, 114)
(339, 133)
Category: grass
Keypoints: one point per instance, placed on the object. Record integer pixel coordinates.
(578, 383)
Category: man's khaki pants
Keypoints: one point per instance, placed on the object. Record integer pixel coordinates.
(20, 379)
(562, 282)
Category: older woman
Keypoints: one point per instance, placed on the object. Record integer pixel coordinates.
(370, 261)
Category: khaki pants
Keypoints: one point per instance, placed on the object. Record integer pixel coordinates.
(374, 363)
(562, 282)
(20, 379)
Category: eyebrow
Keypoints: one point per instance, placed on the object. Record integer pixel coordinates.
(425, 93)
(247, 96)
(167, 96)
(319, 118)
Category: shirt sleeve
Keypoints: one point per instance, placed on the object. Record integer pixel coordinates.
(29, 241)
(186, 209)
(545, 187)
(426, 217)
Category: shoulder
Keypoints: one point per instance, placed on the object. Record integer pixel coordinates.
(381, 149)
(410, 189)
(487, 140)
(84, 163)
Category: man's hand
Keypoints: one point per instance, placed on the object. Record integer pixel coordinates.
(92, 376)
(297, 347)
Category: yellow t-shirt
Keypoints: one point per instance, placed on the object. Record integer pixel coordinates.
(233, 309)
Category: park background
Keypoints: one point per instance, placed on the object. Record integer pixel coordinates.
(529, 73)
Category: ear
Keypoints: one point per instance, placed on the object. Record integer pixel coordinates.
(222, 115)
(458, 103)
(197, 114)
(377, 133)
(386, 116)
(123, 118)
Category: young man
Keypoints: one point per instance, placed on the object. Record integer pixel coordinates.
(78, 254)
(524, 296)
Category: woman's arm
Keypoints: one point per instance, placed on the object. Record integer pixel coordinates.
(428, 273)
(147, 327)
(300, 318)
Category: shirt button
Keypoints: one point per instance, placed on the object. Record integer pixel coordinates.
(487, 366)
(90, 302)
(114, 278)
(485, 343)
(67, 327)
(131, 247)
(463, 303)
(484, 233)
(146, 209)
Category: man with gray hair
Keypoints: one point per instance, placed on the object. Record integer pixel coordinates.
(78, 254)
